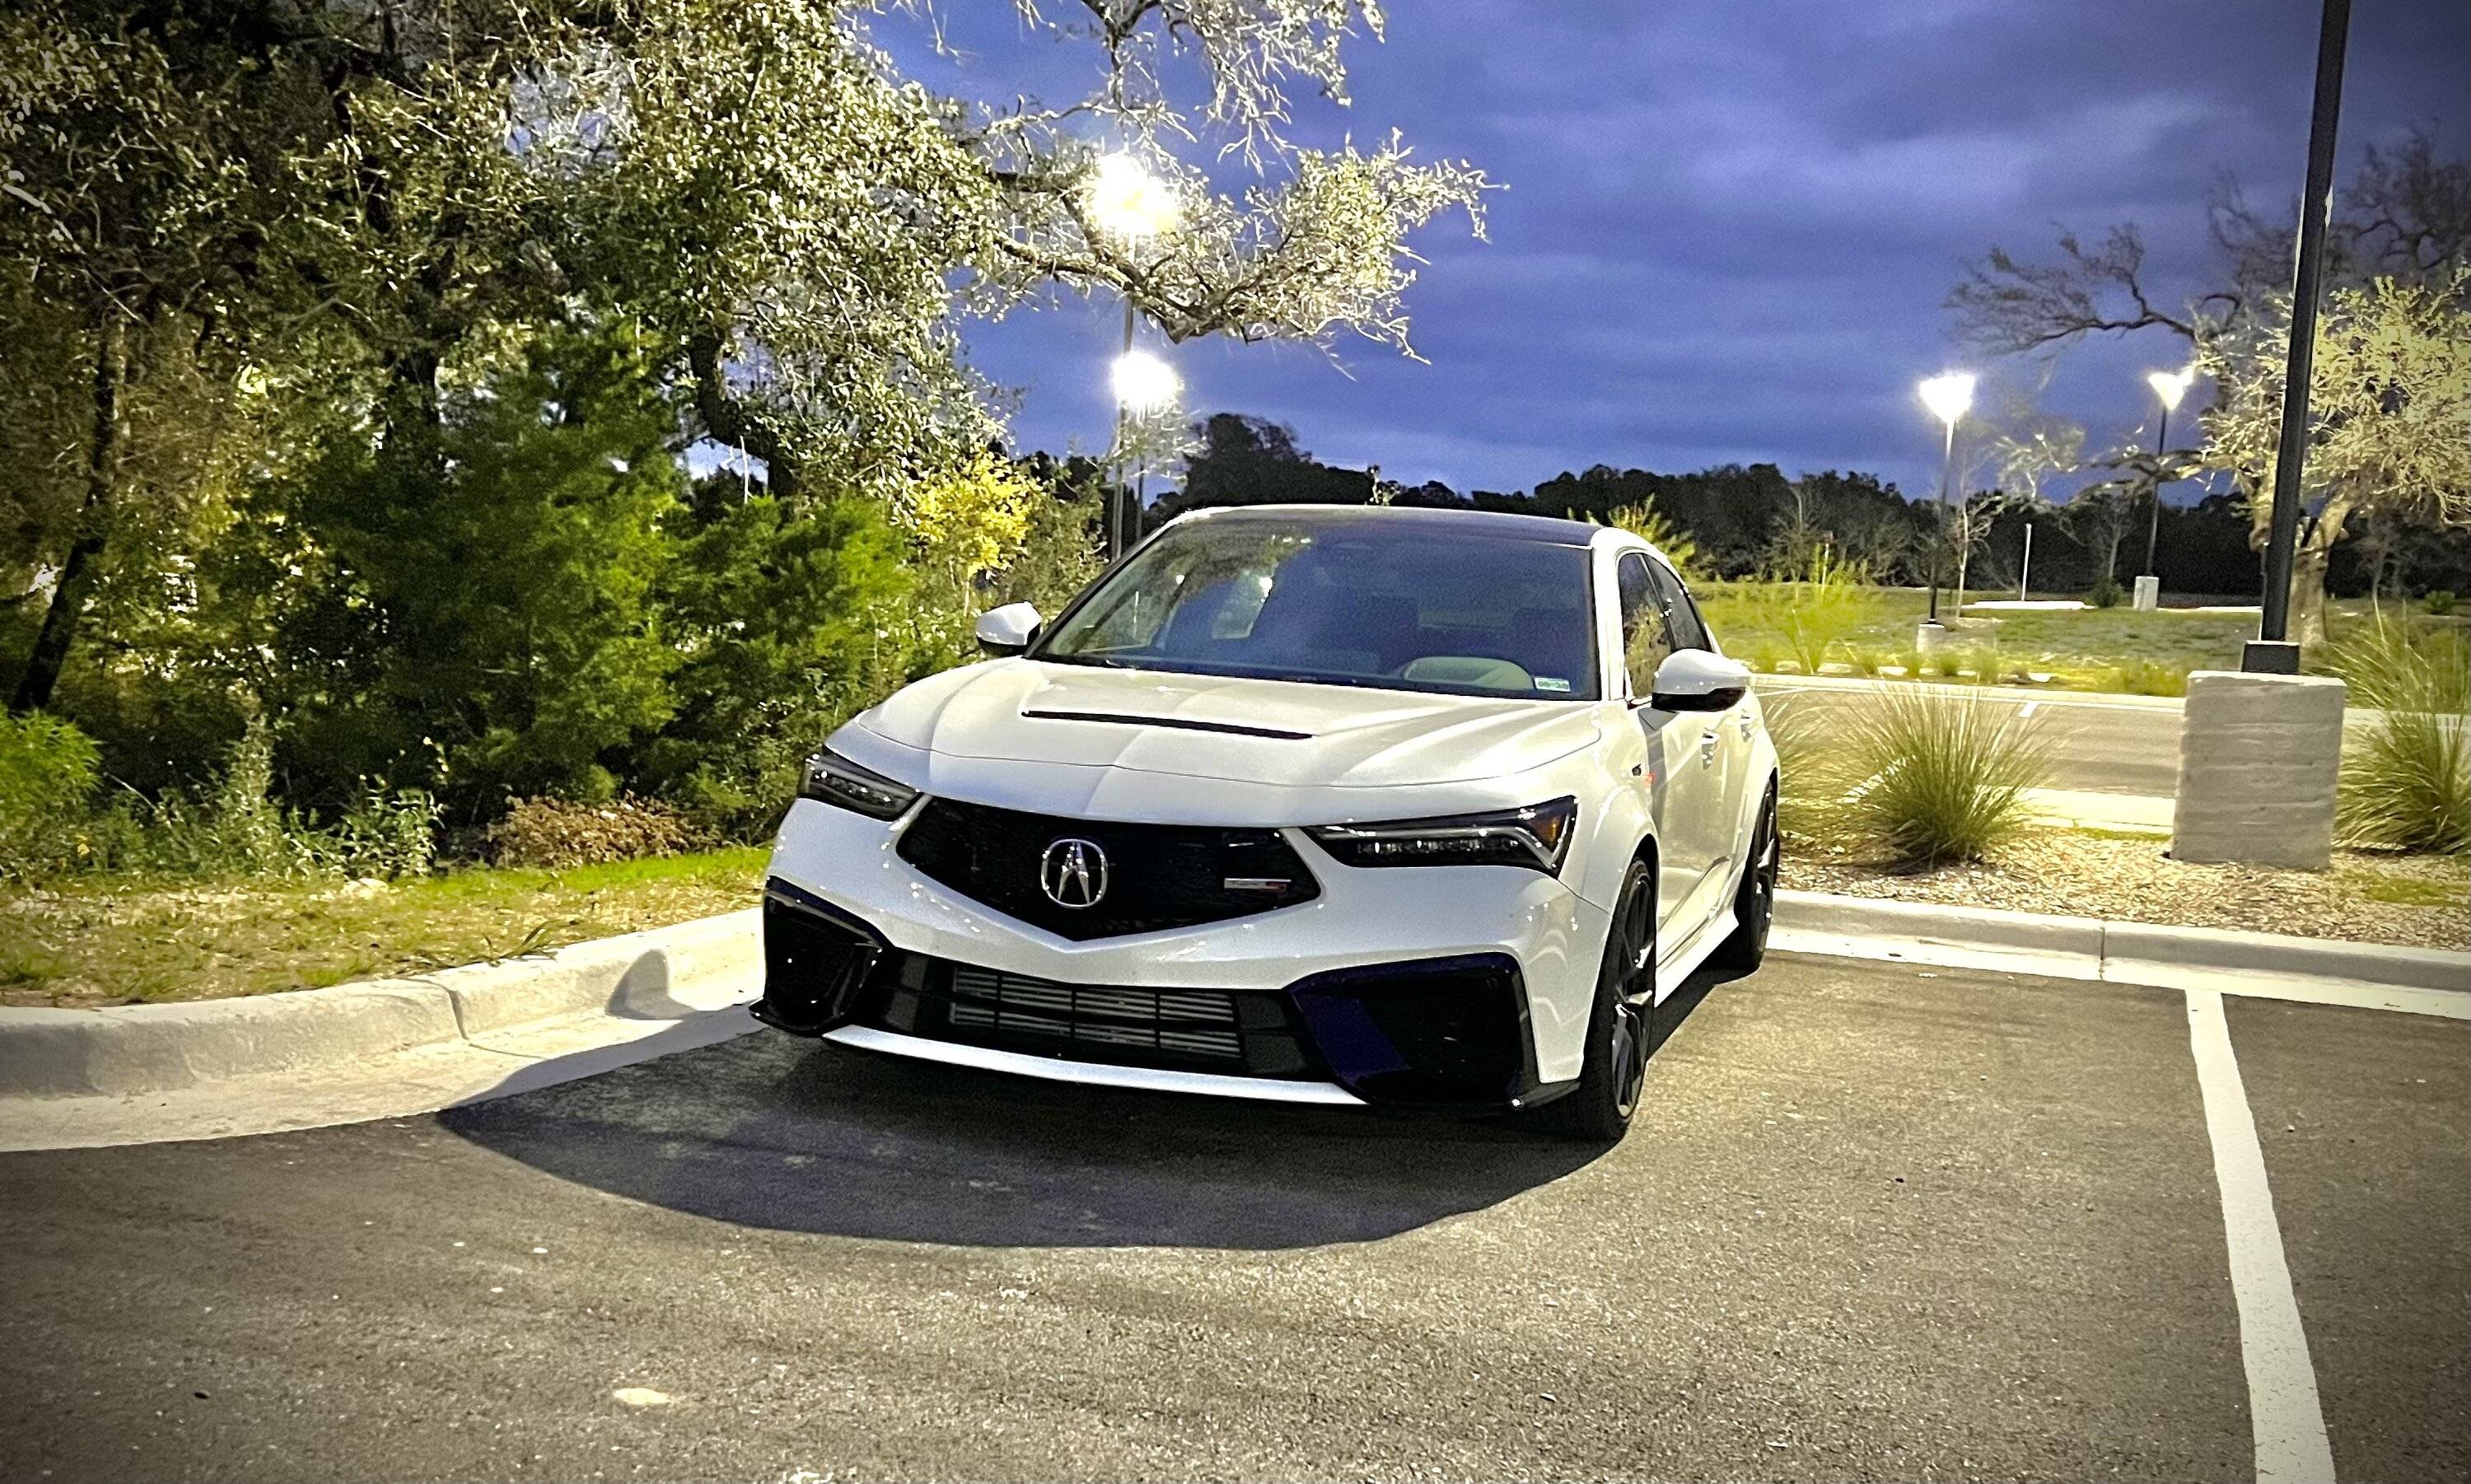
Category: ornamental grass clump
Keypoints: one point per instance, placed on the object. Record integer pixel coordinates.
(1932, 777)
(1818, 606)
(2407, 774)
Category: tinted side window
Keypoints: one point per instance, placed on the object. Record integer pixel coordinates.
(1647, 634)
(1681, 615)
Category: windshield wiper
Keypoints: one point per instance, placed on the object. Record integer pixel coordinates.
(1303, 678)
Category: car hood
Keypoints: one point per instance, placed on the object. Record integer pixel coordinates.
(1211, 726)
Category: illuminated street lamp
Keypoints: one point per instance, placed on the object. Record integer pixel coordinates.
(2170, 387)
(1947, 397)
(1126, 201)
(1144, 386)
(1144, 383)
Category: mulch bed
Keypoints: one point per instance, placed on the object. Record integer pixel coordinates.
(2126, 879)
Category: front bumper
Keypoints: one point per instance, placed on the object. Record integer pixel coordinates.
(1441, 986)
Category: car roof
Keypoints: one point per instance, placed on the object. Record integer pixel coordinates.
(1499, 525)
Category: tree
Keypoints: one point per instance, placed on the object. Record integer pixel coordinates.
(357, 204)
(1251, 460)
(133, 233)
(2390, 406)
(2402, 225)
(483, 616)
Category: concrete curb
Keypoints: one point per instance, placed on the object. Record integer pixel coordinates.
(662, 975)
(199, 1069)
(2119, 951)
(2019, 694)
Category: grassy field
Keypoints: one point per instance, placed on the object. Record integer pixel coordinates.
(2092, 648)
(117, 941)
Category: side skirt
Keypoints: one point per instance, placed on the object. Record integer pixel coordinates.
(1677, 966)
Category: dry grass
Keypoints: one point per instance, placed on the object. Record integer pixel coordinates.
(2369, 896)
(111, 941)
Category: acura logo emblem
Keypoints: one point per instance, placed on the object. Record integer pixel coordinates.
(1073, 873)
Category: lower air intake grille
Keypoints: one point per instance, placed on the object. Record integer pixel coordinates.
(1239, 1032)
(1178, 1023)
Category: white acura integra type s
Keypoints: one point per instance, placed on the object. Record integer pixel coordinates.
(1319, 804)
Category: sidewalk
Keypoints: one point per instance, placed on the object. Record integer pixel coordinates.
(2086, 809)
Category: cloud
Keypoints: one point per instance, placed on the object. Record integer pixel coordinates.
(1729, 229)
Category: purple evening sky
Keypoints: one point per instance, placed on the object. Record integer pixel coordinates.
(1728, 226)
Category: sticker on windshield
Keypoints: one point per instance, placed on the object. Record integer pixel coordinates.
(1551, 683)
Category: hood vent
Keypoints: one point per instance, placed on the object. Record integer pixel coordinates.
(1180, 723)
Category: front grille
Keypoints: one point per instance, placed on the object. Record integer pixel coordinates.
(1180, 1022)
(1231, 1032)
(1159, 877)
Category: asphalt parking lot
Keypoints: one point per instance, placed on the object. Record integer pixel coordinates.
(1878, 1221)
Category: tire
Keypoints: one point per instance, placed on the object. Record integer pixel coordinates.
(1754, 899)
(1620, 1029)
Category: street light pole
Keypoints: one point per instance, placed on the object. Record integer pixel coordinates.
(1939, 555)
(2271, 652)
(2169, 387)
(2025, 572)
(1114, 470)
(2153, 517)
(1129, 203)
(1947, 397)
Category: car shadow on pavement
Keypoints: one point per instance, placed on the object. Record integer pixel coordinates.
(771, 1131)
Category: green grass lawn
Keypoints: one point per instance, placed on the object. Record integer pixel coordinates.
(115, 941)
(2092, 648)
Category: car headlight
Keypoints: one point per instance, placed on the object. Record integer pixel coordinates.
(833, 779)
(1537, 837)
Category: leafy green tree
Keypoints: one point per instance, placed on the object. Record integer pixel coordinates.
(779, 619)
(129, 231)
(2400, 228)
(484, 597)
(2390, 412)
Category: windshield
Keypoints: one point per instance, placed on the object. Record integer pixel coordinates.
(1402, 609)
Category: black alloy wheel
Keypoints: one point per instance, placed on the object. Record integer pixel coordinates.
(1755, 902)
(1622, 1029)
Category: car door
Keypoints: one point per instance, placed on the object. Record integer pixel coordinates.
(1684, 791)
(1722, 742)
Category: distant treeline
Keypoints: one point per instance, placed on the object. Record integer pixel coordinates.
(1752, 520)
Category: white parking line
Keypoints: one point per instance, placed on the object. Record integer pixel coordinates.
(2284, 1415)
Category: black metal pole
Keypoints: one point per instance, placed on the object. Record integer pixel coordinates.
(1946, 463)
(2272, 652)
(2154, 523)
(1115, 465)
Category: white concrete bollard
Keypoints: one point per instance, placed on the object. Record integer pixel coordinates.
(2259, 757)
(2148, 594)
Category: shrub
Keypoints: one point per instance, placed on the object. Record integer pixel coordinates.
(560, 833)
(2106, 593)
(1816, 607)
(2146, 677)
(1649, 524)
(387, 833)
(1983, 662)
(1802, 773)
(1867, 662)
(236, 828)
(48, 770)
(2440, 603)
(2407, 776)
(1765, 656)
(1931, 777)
